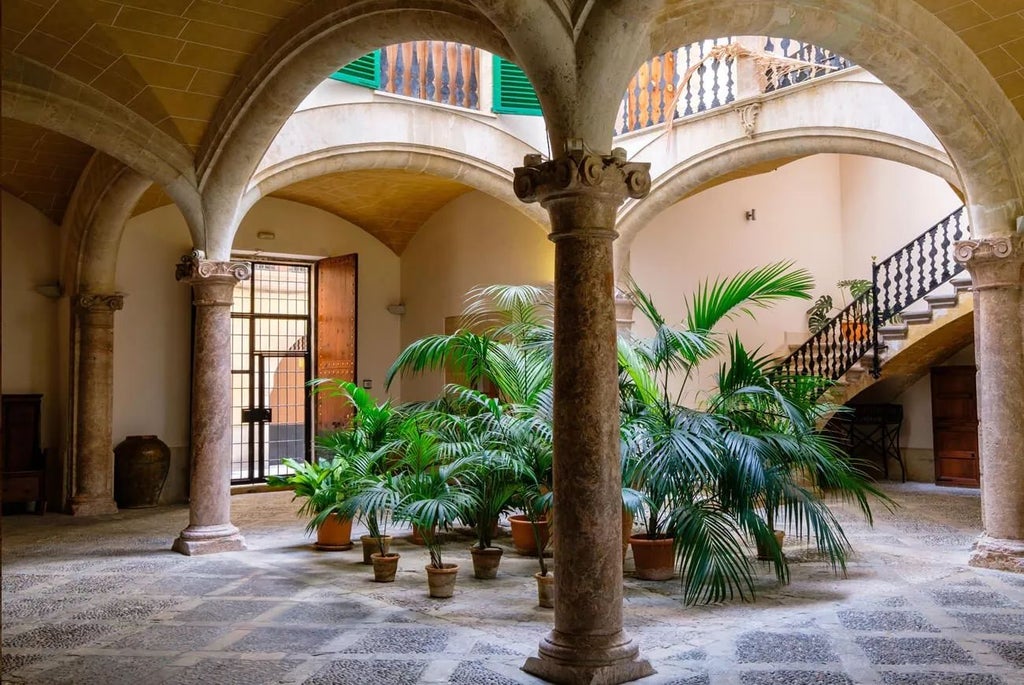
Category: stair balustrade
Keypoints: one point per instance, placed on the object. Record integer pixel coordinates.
(899, 280)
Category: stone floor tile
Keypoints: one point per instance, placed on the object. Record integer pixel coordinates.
(889, 621)
(794, 678)
(9, 663)
(325, 613)
(1012, 652)
(401, 641)
(373, 672)
(37, 607)
(187, 585)
(782, 648)
(168, 638)
(124, 609)
(108, 670)
(18, 582)
(224, 611)
(231, 672)
(995, 624)
(58, 636)
(913, 650)
(265, 586)
(939, 678)
(475, 673)
(972, 598)
(287, 640)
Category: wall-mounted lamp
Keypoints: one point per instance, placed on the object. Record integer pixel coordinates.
(367, 384)
(397, 309)
(266, 235)
(751, 215)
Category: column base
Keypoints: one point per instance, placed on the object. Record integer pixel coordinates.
(999, 554)
(588, 660)
(88, 506)
(196, 540)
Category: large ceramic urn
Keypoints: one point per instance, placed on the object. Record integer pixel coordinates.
(141, 463)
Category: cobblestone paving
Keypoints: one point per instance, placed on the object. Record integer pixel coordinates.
(104, 601)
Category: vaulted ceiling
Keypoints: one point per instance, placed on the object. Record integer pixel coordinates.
(172, 62)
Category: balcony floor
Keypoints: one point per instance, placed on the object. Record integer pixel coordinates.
(104, 601)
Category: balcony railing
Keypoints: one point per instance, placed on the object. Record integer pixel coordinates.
(434, 70)
(709, 74)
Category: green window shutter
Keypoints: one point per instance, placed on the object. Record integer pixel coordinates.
(365, 71)
(513, 93)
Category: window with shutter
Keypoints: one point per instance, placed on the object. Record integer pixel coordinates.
(513, 93)
(364, 71)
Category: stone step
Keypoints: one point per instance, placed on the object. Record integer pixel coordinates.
(962, 281)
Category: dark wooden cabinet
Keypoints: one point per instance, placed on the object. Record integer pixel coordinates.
(22, 457)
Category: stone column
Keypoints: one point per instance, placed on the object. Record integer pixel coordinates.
(997, 270)
(94, 453)
(210, 529)
(581, 193)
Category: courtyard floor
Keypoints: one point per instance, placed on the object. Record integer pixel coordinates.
(104, 601)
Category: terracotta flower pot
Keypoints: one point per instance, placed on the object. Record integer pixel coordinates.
(763, 554)
(384, 567)
(855, 331)
(522, 534)
(485, 562)
(442, 580)
(417, 536)
(370, 546)
(334, 534)
(654, 558)
(545, 590)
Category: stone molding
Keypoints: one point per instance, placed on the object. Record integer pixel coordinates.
(748, 118)
(994, 263)
(608, 176)
(99, 302)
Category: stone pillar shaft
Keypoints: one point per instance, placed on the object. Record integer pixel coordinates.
(582, 192)
(94, 454)
(997, 270)
(210, 529)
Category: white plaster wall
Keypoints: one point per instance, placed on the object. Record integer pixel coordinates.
(31, 244)
(884, 206)
(151, 340)
(151, 349)
(305, 230)
(707, 236)
(473, 240)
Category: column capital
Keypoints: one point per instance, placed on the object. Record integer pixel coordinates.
(993, 262)
(582, 190)
(578, 172)
(99, 302)
(195, 267)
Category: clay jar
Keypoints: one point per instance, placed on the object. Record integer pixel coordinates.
(141, 463)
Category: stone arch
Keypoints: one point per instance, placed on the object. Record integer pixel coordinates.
(393, 135)
(913, 53)
(303, 50)
(86, 115)
(101, 205)
(693, 172)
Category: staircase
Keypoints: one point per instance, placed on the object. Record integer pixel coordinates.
(912, 288)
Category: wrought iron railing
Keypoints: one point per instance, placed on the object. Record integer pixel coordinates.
(435, 70)
(916, 269)
(899, 280)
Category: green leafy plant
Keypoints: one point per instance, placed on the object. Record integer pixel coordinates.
(321, 485)
(824, 307)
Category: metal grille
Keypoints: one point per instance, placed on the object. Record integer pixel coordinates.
(270, 368)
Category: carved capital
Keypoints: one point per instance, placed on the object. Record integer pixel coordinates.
(576, 173)
(993, 262)
(194, 267)
(99, 302)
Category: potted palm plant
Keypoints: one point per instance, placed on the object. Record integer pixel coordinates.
(434, 494)
(824, 307)
(322, 485)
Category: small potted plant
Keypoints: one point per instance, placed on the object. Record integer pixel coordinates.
(823, 309)
(322, 485)
(435, 494)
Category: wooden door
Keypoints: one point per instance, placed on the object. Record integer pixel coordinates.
(335, 351)
(955, 425)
